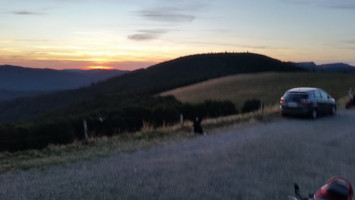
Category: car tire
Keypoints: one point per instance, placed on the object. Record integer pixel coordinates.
(333, 110)
(314, 114)
(347, 106)
(283, 114)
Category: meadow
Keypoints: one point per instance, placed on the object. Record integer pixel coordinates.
(267, 87)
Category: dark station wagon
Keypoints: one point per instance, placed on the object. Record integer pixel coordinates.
(307, 101)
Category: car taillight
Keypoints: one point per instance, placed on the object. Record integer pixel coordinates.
(282, 100)
(305, 101)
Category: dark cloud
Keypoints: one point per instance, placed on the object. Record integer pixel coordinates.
(231, 45)
(344, 5)
(147, 34)
(167, 14)
(348, 44)
(26, 12)
(333, 4)
(142, 36)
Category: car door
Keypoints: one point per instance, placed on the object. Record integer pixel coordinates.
(325, 102)
(321, 102)
(329, 102)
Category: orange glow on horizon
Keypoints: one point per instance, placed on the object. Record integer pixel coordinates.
(99, 67)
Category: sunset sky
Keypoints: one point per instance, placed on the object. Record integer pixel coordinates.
(131, 34)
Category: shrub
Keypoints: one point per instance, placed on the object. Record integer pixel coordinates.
(208, 109)
(251, 105)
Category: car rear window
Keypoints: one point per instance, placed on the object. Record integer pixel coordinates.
(296, 96)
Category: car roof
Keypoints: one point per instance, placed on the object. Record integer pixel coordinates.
(302, 89)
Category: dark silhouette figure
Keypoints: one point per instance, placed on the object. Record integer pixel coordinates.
(197, 126)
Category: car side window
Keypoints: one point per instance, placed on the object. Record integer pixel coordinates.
(312, 95)
(317, 94)
(324, 95)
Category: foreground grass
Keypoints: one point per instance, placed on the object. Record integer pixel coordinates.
(79, 150)
(124, 143)
(128, 142)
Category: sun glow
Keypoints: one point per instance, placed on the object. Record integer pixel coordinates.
(99, 67)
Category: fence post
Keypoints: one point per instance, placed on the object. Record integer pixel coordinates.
(262, 109)
(181, 120)
(85, 129)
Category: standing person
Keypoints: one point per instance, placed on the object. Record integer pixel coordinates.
(351, 95)
(197, 126)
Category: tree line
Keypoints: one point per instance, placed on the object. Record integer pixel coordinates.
(106, 121)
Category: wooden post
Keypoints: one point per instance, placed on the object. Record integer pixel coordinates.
(262, 109)
(181, 120)
(85, 130)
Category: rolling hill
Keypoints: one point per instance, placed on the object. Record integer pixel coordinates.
(332, 67)
(16, 82)
(158, 78)
(268, 87)
(21, 80)
(6, 95)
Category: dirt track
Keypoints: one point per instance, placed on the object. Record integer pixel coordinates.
(254, 162)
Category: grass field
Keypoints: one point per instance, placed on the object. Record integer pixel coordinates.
(268, 87)
(129, 142)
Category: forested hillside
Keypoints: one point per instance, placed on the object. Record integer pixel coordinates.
(158, 78)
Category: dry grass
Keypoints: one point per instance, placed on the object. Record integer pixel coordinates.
(268, 87)
(128, 142)
(95, 147)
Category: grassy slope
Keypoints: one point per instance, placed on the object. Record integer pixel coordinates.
(268, 87)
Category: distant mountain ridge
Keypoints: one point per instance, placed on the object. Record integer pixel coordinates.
(332, 67)
(192, 69)
(15, 78)
(144, 82)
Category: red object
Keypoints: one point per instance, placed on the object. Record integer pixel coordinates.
(282, 100)
(336, 188)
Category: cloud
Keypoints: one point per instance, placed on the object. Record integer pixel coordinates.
(332, 4)
(231, 45)
(348, 44)
(147, 34)
(341, 4)
(167, 14)
(39, 11)
(26, 12)
(142, 36)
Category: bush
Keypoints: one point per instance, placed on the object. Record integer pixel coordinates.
(106, 121)
(251, 105)
(164, 114)
(208, 109)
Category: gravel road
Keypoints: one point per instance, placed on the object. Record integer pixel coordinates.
(259, 161)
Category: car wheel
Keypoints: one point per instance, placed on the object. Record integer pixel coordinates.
(333, 111)
(314, 114)
(347, 105)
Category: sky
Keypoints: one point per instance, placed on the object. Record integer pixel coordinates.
(132, 34)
